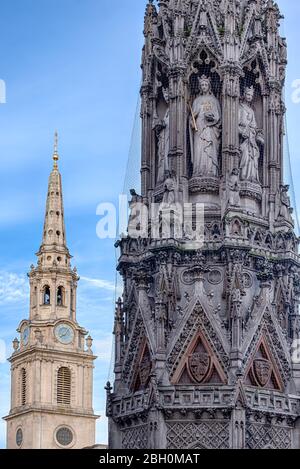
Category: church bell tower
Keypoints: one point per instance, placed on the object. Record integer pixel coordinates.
(206, 336)
(52, 363)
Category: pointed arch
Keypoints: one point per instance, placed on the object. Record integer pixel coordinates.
(131, 310)
(214, 46)
(144, 368)
(194, 323)
(134, 351)
(280, 242)
(199, 364)
(269, 241)
(258, 237)
(262, 371)
(236, 227)
(215, 231)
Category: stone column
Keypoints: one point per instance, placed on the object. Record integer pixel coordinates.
(238, 430)
(147, 137)
(157, 430)
(230, 134)
(119, 335)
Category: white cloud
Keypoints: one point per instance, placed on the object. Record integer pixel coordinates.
(4, 401)
(102, 428)
(13, 288)
(98, 283)
(3, 351)
(103, 348)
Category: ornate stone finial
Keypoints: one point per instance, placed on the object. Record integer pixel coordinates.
(16, 344)
(108, 388)
(89, 344)
(55, 154)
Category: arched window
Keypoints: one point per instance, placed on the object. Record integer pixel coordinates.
(64, 386)
(23, 387)
(46, 295)
(60, 296)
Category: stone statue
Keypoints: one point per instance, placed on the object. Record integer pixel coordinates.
(282, 46)
(234, 188)
(285, 210)
(162, 129)
(205, 132)
(170, 196)
(155, 27)
(251, 136)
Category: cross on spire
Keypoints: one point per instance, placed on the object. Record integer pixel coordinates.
(55, 153)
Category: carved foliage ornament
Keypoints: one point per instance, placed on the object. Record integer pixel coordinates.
(145, 370)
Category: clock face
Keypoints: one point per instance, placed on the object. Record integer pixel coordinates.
(64, 333)
(25, 336)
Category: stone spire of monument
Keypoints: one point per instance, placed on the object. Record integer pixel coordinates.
(203, 334)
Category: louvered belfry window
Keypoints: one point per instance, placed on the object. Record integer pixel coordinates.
(23, 387)
(64, 386)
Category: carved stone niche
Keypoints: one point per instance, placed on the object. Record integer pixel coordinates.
(236, 228)
(204, 125)
(252, 137)
(263, 372)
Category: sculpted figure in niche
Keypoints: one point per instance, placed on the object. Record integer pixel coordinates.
(170, 196)
(163, 134)
(251, 137)
(285, 210)
(234, 188)
(205, 133)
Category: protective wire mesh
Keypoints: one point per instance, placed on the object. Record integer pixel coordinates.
(132, 180)
(132, 177)
(288, 177)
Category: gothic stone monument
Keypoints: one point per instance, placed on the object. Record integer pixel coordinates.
(205, 336)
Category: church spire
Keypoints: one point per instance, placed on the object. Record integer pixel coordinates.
(54, 236)
(52, 363)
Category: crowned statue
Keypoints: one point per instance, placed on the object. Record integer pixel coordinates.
(205, 131)
(251, 137)
(162, 129)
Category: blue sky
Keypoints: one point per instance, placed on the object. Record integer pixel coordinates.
(74, 66)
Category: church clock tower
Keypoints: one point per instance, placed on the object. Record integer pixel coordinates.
(52, 363)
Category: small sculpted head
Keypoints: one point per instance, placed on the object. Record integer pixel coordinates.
(205, 85)
(249, 94)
